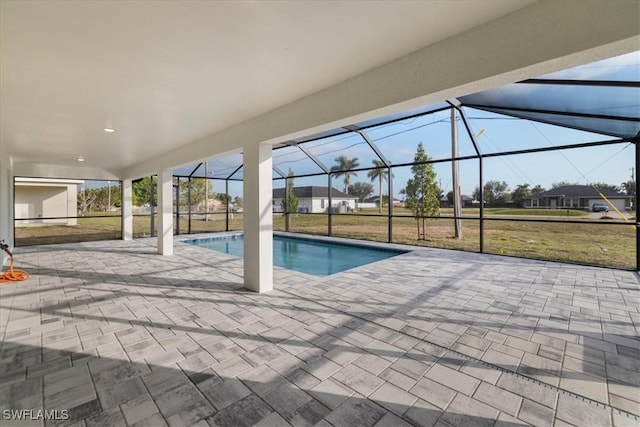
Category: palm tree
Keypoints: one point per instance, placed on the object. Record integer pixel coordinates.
(381, 173)
(343, 168)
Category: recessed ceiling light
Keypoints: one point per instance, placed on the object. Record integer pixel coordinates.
(80, 159)
(109, 130)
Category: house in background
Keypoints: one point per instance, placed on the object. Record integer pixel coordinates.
(576, 197)
(467, 202)
(315, 199)
(53, 200)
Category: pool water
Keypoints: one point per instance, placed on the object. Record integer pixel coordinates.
(319, 258)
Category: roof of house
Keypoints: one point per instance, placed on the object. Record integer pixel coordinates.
(577, 191)
(312, 191)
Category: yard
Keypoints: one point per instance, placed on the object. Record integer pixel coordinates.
(610, 244)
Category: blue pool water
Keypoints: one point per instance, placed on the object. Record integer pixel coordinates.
(308, 256)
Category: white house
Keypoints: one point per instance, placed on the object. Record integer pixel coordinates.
(53, 200)
(315, 199)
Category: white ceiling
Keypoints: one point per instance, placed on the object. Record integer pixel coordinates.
(165, 74)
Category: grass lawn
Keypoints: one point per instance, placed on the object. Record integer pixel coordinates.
(610, 244)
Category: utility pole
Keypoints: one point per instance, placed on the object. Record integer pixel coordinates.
(206, 190)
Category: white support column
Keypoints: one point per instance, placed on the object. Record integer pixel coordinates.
(258, 218)
(165, 212)
(127, 210)
(6, 202)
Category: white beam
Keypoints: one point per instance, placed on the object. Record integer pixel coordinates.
(258, 218)
(165, 212)
(6, 201)
(127, 209)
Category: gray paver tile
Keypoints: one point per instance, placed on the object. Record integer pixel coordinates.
(107, 418)
(65, 379)
(535, 414)
(584, 385)
(423, 414)
(223, 393)
(272, 420)
(372, 363)
(465, 411)
(244, 413)
(309, 414)
(624, 404)
(391, 420)
(498, 398)
(356, 412)
(155, 420)
(261, 379)
(453, 379)
(232, 367)
(535, 392)
(286, 399)
(580, 412)
(358, 379)
(502, 360)
(410, 367)
(331, 393)
(505, 420)
(322, 368)
(138, 409)
(186, 402)
(72, 397)
(393, 398)
(433, 393)
(398, 379)
(163, 380)
(540, 368)
(114, 394)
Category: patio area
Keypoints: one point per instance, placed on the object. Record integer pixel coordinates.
(110, 333)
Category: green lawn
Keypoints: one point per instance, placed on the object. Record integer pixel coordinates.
(610, 244)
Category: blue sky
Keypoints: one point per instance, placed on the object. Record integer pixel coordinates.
(398, 142)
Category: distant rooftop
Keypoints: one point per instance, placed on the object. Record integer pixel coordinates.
(312, 191)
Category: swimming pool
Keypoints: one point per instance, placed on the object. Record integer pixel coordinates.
(316, 257)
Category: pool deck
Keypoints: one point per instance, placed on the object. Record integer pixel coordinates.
(117, 335)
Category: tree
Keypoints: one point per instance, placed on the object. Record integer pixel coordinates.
(496, 192)
(361, 190)
(238, 201)
(198, 190)
(629, 188)
(343, 168)
(563, 184)
(86, 197)
(537, 189)
(602, 186)
(142, 191)
(223, 197)
(520, 194)
(289, 203)
(381, 173)
(422, 190)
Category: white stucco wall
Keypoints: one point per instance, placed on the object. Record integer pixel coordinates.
(41, 198)
(6, 201)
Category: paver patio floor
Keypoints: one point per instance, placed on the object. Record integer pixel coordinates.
(117, 335)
